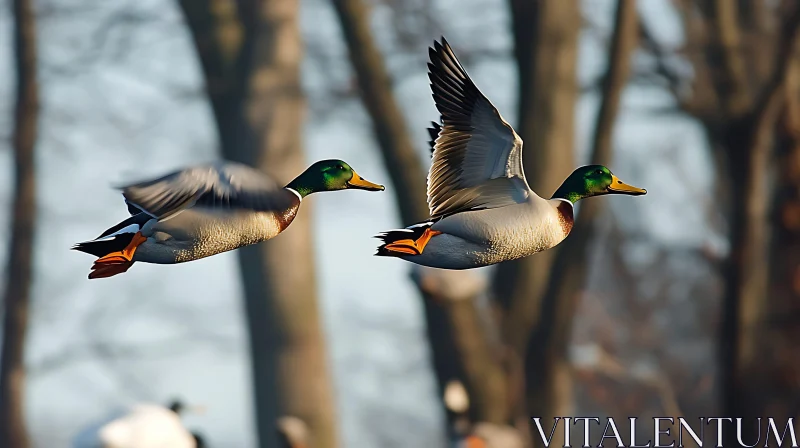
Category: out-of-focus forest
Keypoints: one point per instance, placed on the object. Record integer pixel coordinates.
(681, 303)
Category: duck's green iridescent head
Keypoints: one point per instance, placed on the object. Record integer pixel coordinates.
(594, 180)
(330, 175)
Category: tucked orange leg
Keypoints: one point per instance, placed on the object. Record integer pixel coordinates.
(117, 262)
(109, 269)
(475, 442)
(412, 247)
(124, 254)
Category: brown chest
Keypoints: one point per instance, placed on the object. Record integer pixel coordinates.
(285, 217)
(565, 216)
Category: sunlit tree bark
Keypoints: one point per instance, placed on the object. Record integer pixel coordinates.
(251, 52)
(545, 49)
(548, 374)
(458, 340)
(545, 46)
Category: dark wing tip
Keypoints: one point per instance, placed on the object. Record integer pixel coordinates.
(440, 49)
(433, 132)
(435, 52)
(454, 93)
(445, 68)
(441, 43)
(431, 70)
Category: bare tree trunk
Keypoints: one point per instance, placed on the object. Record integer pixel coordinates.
(779, 365)
(750, 143)
(449, 320)
(548, 374)
(474, 340)
(750, 85)
(251, 58)
(545, 47)
(545, 37)
(401, 159)
(20, 260)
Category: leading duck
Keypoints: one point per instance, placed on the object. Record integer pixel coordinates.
(205, 210)
(482, 210)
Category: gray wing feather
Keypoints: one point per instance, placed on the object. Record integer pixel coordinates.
(222, 185)
(477, 156)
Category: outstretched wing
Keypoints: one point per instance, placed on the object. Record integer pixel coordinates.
(477, 156)
(223, 185)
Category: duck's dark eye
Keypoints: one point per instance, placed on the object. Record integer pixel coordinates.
(598, 172)
(340, 167)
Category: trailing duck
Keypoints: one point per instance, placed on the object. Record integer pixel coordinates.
(205, 210)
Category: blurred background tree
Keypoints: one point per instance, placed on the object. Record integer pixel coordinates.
(743, 56)
(19, 270)
(455, 330)
(250, 52)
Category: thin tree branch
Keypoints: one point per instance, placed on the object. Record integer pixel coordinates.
(399, 156)
(732, 84)
(772, 94)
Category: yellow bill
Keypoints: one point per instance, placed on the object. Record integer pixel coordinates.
(619, 187)
(360, 183)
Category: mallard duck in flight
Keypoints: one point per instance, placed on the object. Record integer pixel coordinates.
(482, 210)
(208, 209)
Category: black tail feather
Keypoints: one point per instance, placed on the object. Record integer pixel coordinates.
(105, 244)
(101, 248)
(390, 236)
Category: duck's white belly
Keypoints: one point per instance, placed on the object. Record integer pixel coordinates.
(486, 237)
(196, 234)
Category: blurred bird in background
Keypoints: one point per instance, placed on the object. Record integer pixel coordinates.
(143, 426)
(478, 435)
(292, 433)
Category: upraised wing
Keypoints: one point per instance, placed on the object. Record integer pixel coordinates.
(477, 156)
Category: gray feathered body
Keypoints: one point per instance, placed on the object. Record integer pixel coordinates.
(484, 237)
(201, 232)
(482, 209)
(198, 212)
